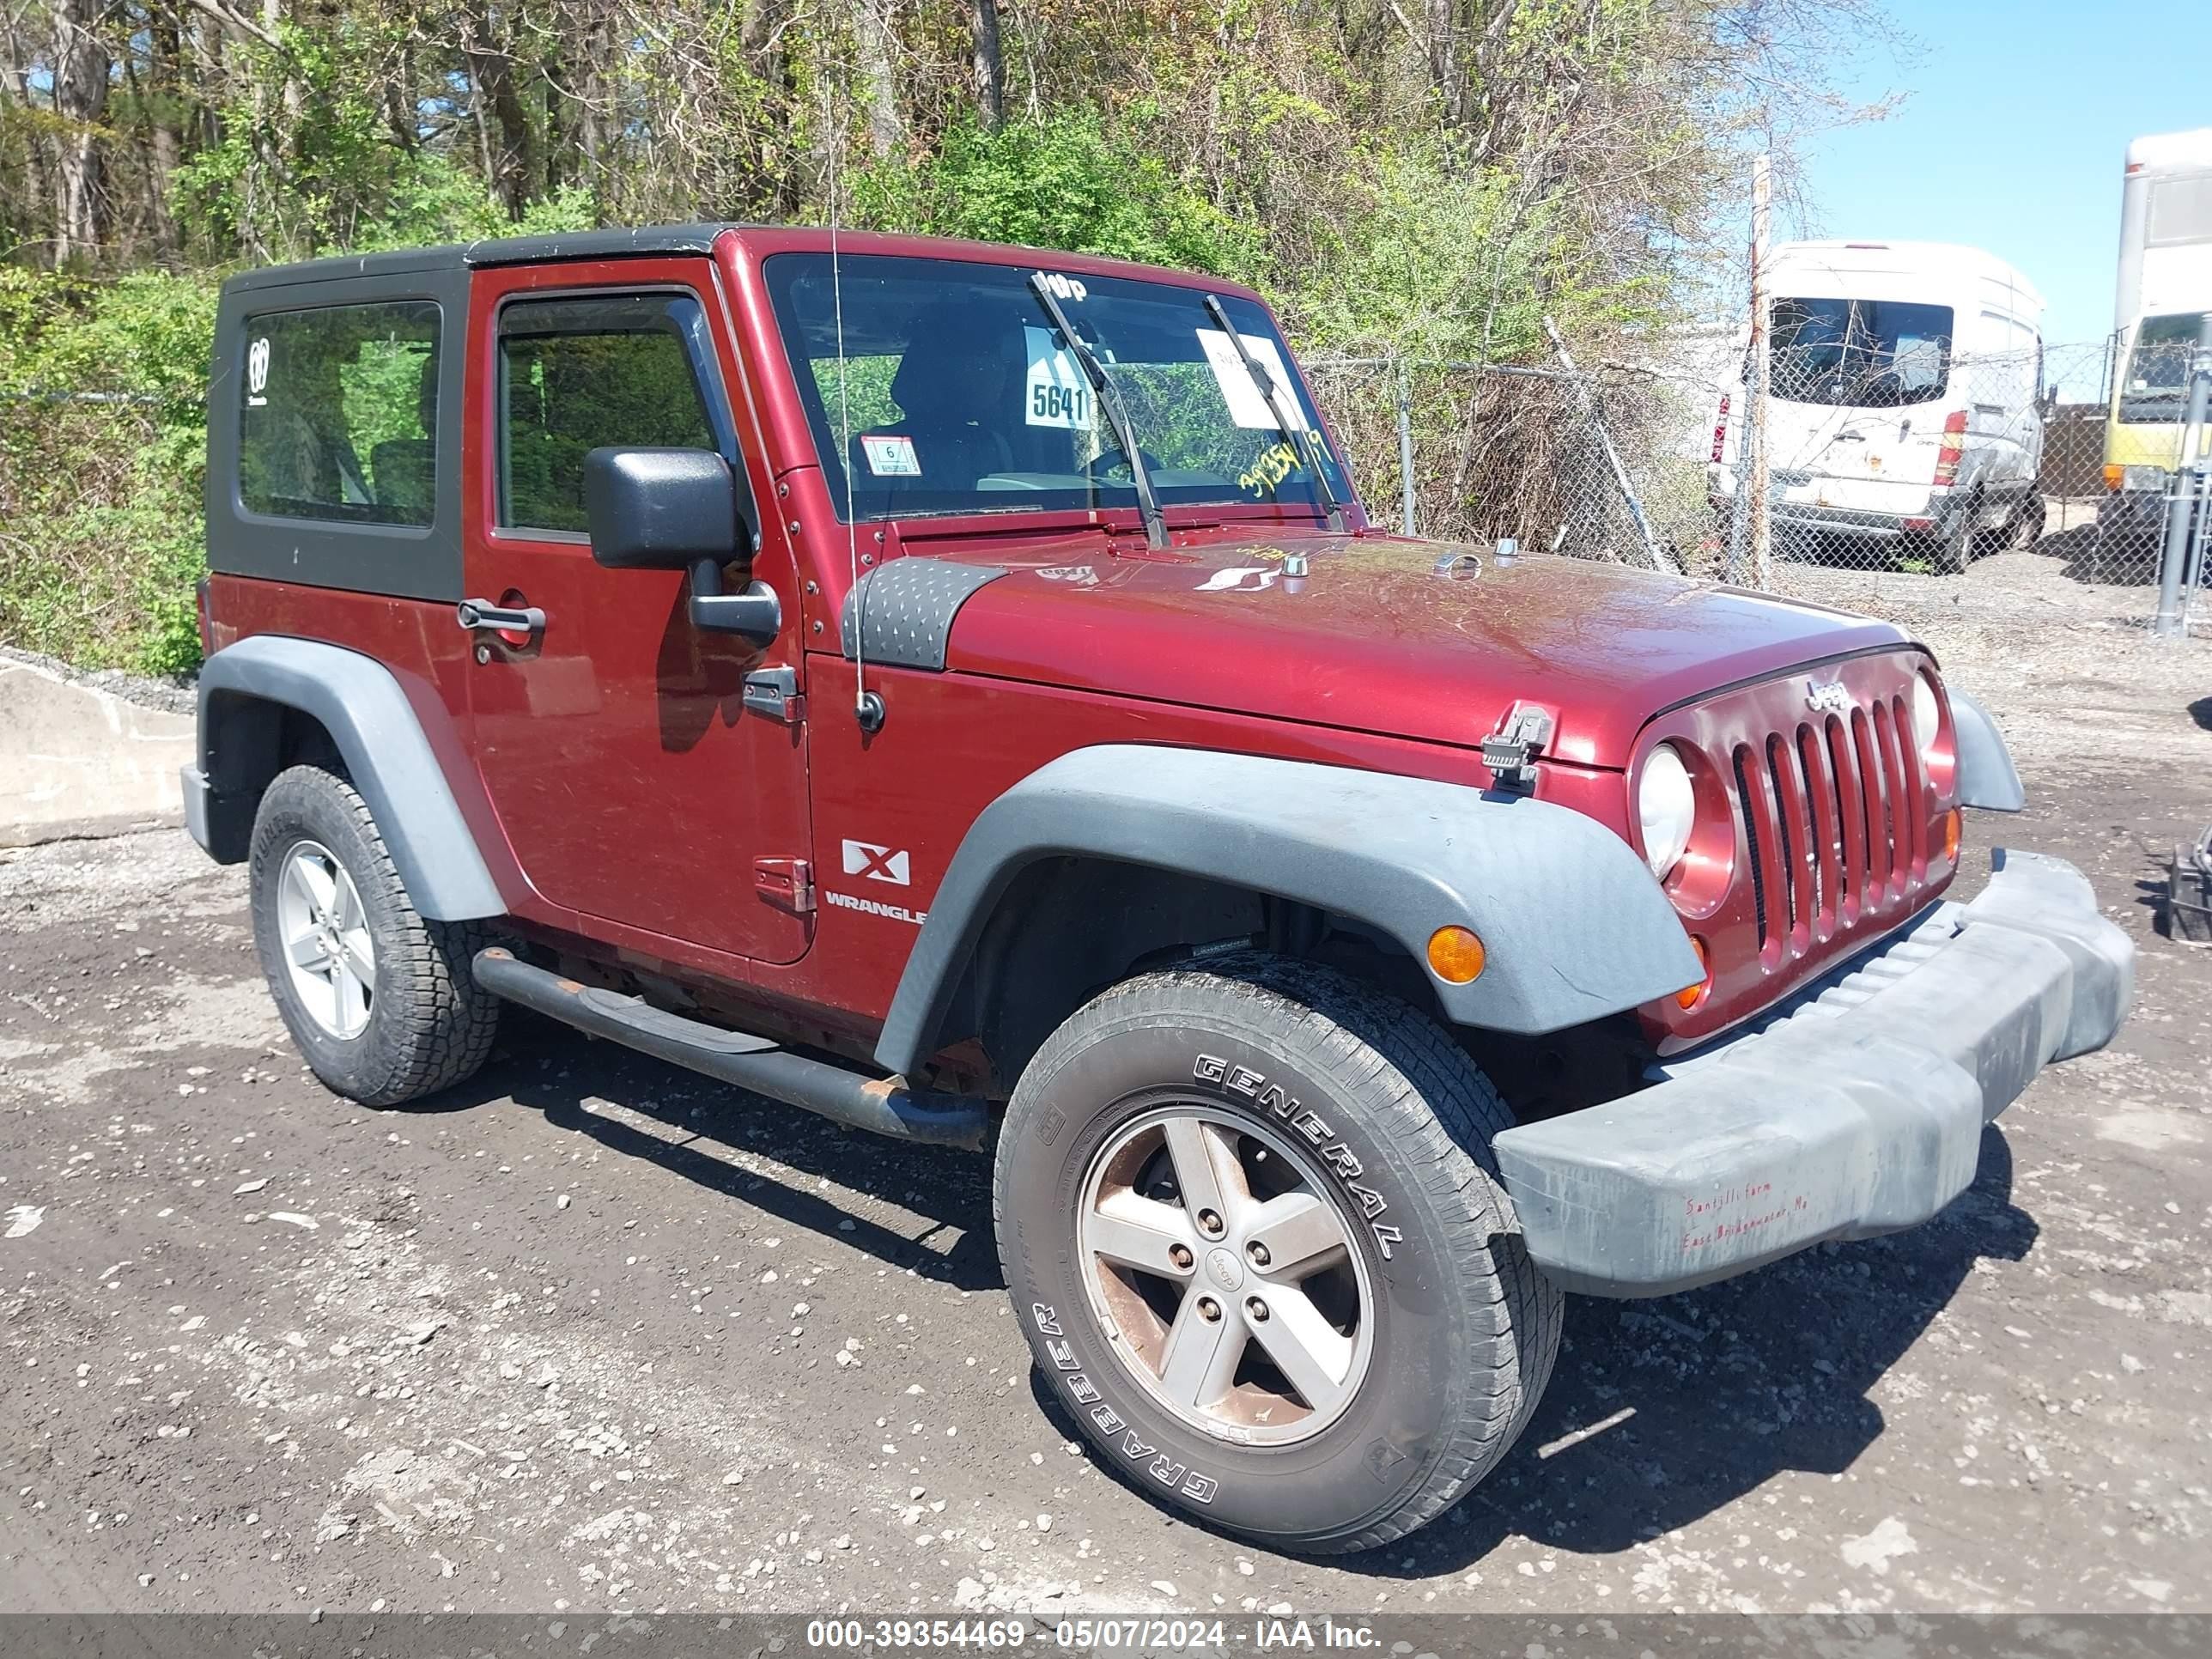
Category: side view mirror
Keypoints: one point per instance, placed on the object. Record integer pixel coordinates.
(680, 509)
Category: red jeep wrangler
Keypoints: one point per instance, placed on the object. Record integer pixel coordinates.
(956, 690)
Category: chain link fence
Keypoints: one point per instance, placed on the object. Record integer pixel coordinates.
(1895, 471)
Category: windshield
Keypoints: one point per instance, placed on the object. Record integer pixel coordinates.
(959, 396)
(1868, 353)
(2156, 386)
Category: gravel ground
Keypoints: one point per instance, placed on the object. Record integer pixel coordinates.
(592, 1333)
(171, 696)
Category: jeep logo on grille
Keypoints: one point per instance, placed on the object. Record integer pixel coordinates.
(1828, 698)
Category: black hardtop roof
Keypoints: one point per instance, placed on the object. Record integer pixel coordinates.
(500, 251)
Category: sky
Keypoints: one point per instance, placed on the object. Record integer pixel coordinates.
(2013, 135)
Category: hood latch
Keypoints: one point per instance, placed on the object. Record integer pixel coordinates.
(1510, 752)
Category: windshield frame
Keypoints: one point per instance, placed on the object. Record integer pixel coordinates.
(1112, 502)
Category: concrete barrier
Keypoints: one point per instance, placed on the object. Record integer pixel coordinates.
(76, 760)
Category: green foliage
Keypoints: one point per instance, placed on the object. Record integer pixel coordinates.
(1439, 260)
(100, 500)
(1072, 182)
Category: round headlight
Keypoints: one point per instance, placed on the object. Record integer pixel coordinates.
(1666, 808)
(1927, 714)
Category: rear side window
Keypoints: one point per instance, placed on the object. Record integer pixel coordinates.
(587, 370)
(2180, 212)
(339, 418)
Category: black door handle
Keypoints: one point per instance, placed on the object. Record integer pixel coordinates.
(478, 615)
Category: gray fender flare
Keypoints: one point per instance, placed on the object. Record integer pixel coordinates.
(1574, 925)
(1986, 776)
(360, 705)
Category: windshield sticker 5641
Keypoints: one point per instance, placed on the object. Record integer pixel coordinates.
(1055, 392)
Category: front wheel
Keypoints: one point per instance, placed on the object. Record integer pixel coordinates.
(1251, 1223)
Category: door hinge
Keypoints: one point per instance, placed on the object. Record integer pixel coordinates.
(787, 883)
(774, 692)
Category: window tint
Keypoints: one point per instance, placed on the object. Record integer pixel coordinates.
(578, 372)
(339, 418)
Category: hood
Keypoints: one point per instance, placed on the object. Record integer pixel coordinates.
(1374, 638)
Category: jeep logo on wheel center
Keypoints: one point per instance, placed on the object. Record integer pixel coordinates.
(1224, 1270)
(1169, 810)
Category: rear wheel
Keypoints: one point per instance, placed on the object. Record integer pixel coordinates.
(1251, 1222)
(2026, 528)
(378, 997)
(1954, 545)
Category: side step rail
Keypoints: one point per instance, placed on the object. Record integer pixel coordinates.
(885, 1106)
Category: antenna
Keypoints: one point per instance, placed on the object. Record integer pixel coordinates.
(868, 706)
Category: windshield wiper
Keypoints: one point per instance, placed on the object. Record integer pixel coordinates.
(1118, 412)
(1299, 436)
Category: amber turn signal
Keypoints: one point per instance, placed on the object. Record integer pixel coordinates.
(1691, 995)
(1950, 820)
(1456, 954)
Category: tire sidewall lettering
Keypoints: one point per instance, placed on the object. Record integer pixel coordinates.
(1246, 1084)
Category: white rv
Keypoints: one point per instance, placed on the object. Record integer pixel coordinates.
(1906, 402)
(2164, 290)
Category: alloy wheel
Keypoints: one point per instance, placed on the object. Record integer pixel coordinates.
(327, 948)
(1223, 1269)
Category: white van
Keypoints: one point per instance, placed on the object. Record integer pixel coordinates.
(1907, 404)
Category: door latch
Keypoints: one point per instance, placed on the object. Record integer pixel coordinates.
(774, 692)
(787, 883)
(478, 615)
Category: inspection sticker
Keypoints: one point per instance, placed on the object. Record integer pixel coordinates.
(890, 455)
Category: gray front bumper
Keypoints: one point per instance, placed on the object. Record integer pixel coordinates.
(1854, 1109)
(196, 796)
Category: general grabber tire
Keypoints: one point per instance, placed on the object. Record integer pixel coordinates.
(378, 998)
(1312, 1159)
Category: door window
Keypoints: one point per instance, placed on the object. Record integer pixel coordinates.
(586, 370)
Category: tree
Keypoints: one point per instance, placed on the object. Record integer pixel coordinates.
(990, 65)
(81, 68)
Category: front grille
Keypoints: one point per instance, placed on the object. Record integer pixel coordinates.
(1835, 812)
